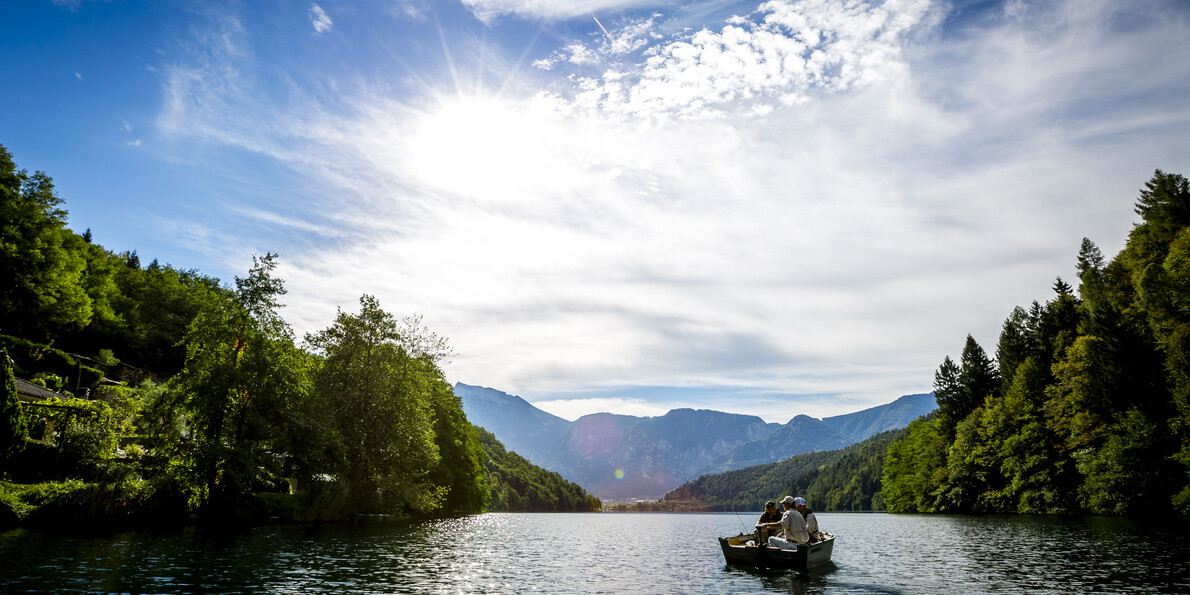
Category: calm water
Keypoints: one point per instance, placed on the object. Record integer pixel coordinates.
(610, 553)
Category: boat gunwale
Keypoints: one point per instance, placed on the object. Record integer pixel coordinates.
(804, 558)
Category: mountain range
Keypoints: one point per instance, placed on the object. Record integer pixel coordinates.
(622, 456)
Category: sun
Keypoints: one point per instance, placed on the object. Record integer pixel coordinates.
(485, 147)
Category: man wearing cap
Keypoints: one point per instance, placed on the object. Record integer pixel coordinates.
(799, 504)
(792, 525)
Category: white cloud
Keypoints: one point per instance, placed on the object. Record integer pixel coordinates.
(622, 40)
(785, 50)
(318, 17)
(810, 204)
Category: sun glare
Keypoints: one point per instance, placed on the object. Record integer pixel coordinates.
(485, 148)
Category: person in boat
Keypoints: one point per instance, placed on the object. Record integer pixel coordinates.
(792, 526)
(799, 504)
(769, 516)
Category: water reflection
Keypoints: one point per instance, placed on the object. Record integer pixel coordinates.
(787, 581)
(608, 553)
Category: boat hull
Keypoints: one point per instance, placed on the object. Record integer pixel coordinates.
(804, 558)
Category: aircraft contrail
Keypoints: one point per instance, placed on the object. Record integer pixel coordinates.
(609, 35)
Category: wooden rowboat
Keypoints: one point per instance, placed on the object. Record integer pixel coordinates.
(736, 550)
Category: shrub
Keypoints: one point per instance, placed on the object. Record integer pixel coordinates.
(9, 502)
(48, 381)
(13, 429)
(106, 357)
(89, 429)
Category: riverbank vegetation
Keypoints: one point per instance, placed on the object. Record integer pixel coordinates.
(195, 402)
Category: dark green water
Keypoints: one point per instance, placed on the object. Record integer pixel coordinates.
(610, 553)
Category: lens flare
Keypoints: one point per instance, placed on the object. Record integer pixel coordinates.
(619, 474)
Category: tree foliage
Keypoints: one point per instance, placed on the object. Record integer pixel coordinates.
(382, 411)
(1092, 413)
(41, 277)
(242, 374)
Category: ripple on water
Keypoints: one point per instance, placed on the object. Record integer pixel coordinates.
(610, 553)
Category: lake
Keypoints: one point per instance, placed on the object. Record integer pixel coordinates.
(610, 553)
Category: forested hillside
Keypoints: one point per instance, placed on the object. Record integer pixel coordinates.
(846, 479)
(520, 486)
(60, 287)
(1085, 406)
(224, 417)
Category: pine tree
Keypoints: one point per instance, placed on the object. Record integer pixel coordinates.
(948, 391)
(1014, 346)
(978, 377)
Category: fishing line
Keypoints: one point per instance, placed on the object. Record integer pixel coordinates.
(737, 514)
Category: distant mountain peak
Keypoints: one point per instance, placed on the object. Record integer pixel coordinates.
(624, 456)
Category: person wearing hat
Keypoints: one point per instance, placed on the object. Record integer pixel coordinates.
(769, 516)
(792, 525)
(799, 504)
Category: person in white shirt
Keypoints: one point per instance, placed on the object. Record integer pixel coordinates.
(799, 504)
(792, 525)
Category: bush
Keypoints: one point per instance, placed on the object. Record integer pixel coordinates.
(48, 381)
(13, 428)
(8, 508)
(106, 357)
(122, 498)
(45, 503)
(88, 429)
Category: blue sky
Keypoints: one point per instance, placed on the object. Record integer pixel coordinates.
(772, 208)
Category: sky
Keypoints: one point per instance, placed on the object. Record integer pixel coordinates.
(771, 208)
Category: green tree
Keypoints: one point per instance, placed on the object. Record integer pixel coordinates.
(41, 288)
(242, 375)
(13, 430)
(1164, 206)
(1175, 344)
(948, 391)
(979, 378)
(1090, 259)
(1122, 477)
(460, 468)
(971, 466)
(959, 390)
(380, 395)
(1079, 405)
(915, 468)
(1015, 345)
(1037, 472)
